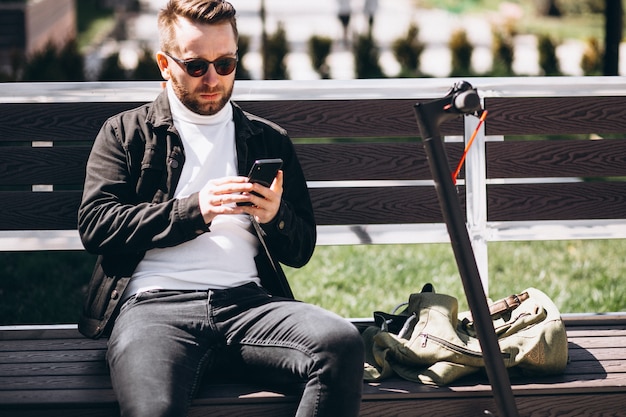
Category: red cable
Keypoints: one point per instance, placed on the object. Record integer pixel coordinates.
(456, 172)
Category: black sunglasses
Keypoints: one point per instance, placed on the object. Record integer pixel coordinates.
(197, 67)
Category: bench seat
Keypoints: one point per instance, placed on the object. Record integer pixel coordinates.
(54, 371)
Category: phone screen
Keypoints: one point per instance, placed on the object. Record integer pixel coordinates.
(263, 171)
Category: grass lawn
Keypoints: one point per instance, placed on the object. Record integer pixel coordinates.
(575, 23)
(354, 281)
(580, 276)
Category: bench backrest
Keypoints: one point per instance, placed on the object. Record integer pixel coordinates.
(359, 145)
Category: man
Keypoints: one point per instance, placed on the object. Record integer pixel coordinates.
(187, 279)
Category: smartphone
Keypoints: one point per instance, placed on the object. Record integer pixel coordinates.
(263, 171)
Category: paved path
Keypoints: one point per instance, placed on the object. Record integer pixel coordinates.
(303, 19)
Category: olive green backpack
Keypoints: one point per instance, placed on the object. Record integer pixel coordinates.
(431, 343)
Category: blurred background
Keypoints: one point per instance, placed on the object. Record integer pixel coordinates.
(105, 40)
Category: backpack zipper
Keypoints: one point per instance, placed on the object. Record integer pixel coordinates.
(456, 348)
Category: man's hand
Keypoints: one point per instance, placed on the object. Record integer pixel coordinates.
(220, 196)
(265, 208)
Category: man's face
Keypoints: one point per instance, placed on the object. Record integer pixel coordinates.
(209, 93)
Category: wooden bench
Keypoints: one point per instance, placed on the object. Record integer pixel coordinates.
(375, 188)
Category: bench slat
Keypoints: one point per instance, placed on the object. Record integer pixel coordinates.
(60, 165)
(22, 210)
(345, 118)
(301, 118)
(96, 367)
(369, 161)
(376, 205)
(555, 115)
(562, 201)
(562, 158)
(50, 165)
(26, 122)
(361, 205)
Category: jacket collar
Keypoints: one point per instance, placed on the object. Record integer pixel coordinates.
(160, 114)
(160, 117)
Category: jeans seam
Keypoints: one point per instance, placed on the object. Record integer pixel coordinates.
(298, 347)
(199, 371)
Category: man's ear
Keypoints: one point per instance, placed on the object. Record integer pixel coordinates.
(163, 64)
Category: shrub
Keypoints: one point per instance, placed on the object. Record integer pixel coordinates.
(407, 52)
(461, 51)
(319, 49)
(503, 54)
(592, 60)
(366, 55)
(548, 61)
(276, 49)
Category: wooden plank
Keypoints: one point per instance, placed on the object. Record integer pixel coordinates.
(25, 399)
(301, 118)
(377, 205)
(567, 158)
(595, 367)
(58, 382)
(584, 334)
(369, 161)
(555, 115)
(26, 122)
(96, 367)
(595, 354)
(97, 410)
(69, 355)
(47, 332)
(602, 342)
(52, 344)
(562, 201)
(531, 406)
(21, 210)
(345, 118)
(600, 405)
(20, 165)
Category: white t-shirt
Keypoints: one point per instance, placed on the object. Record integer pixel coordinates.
(223, 257)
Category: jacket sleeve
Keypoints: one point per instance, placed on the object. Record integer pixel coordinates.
(291, 235)
(114, 216)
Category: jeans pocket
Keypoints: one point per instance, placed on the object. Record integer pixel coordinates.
(132, 300)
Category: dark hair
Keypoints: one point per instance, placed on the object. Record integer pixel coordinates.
(200, 11)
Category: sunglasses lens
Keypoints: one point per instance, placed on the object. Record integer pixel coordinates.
(225, 66)
(197, 67)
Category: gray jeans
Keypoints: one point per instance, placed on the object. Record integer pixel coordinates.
(164, 342)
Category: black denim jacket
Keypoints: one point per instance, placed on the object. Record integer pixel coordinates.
(128, 207)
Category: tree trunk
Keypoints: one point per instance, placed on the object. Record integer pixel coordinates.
(613, 23)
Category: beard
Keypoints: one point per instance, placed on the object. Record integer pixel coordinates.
(190, 100)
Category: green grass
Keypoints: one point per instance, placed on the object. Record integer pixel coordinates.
(354, 281)
(575, 23)
(580, 276)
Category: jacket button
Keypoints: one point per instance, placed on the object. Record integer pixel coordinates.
(281, 224)
(115, 295)
(173, 163)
